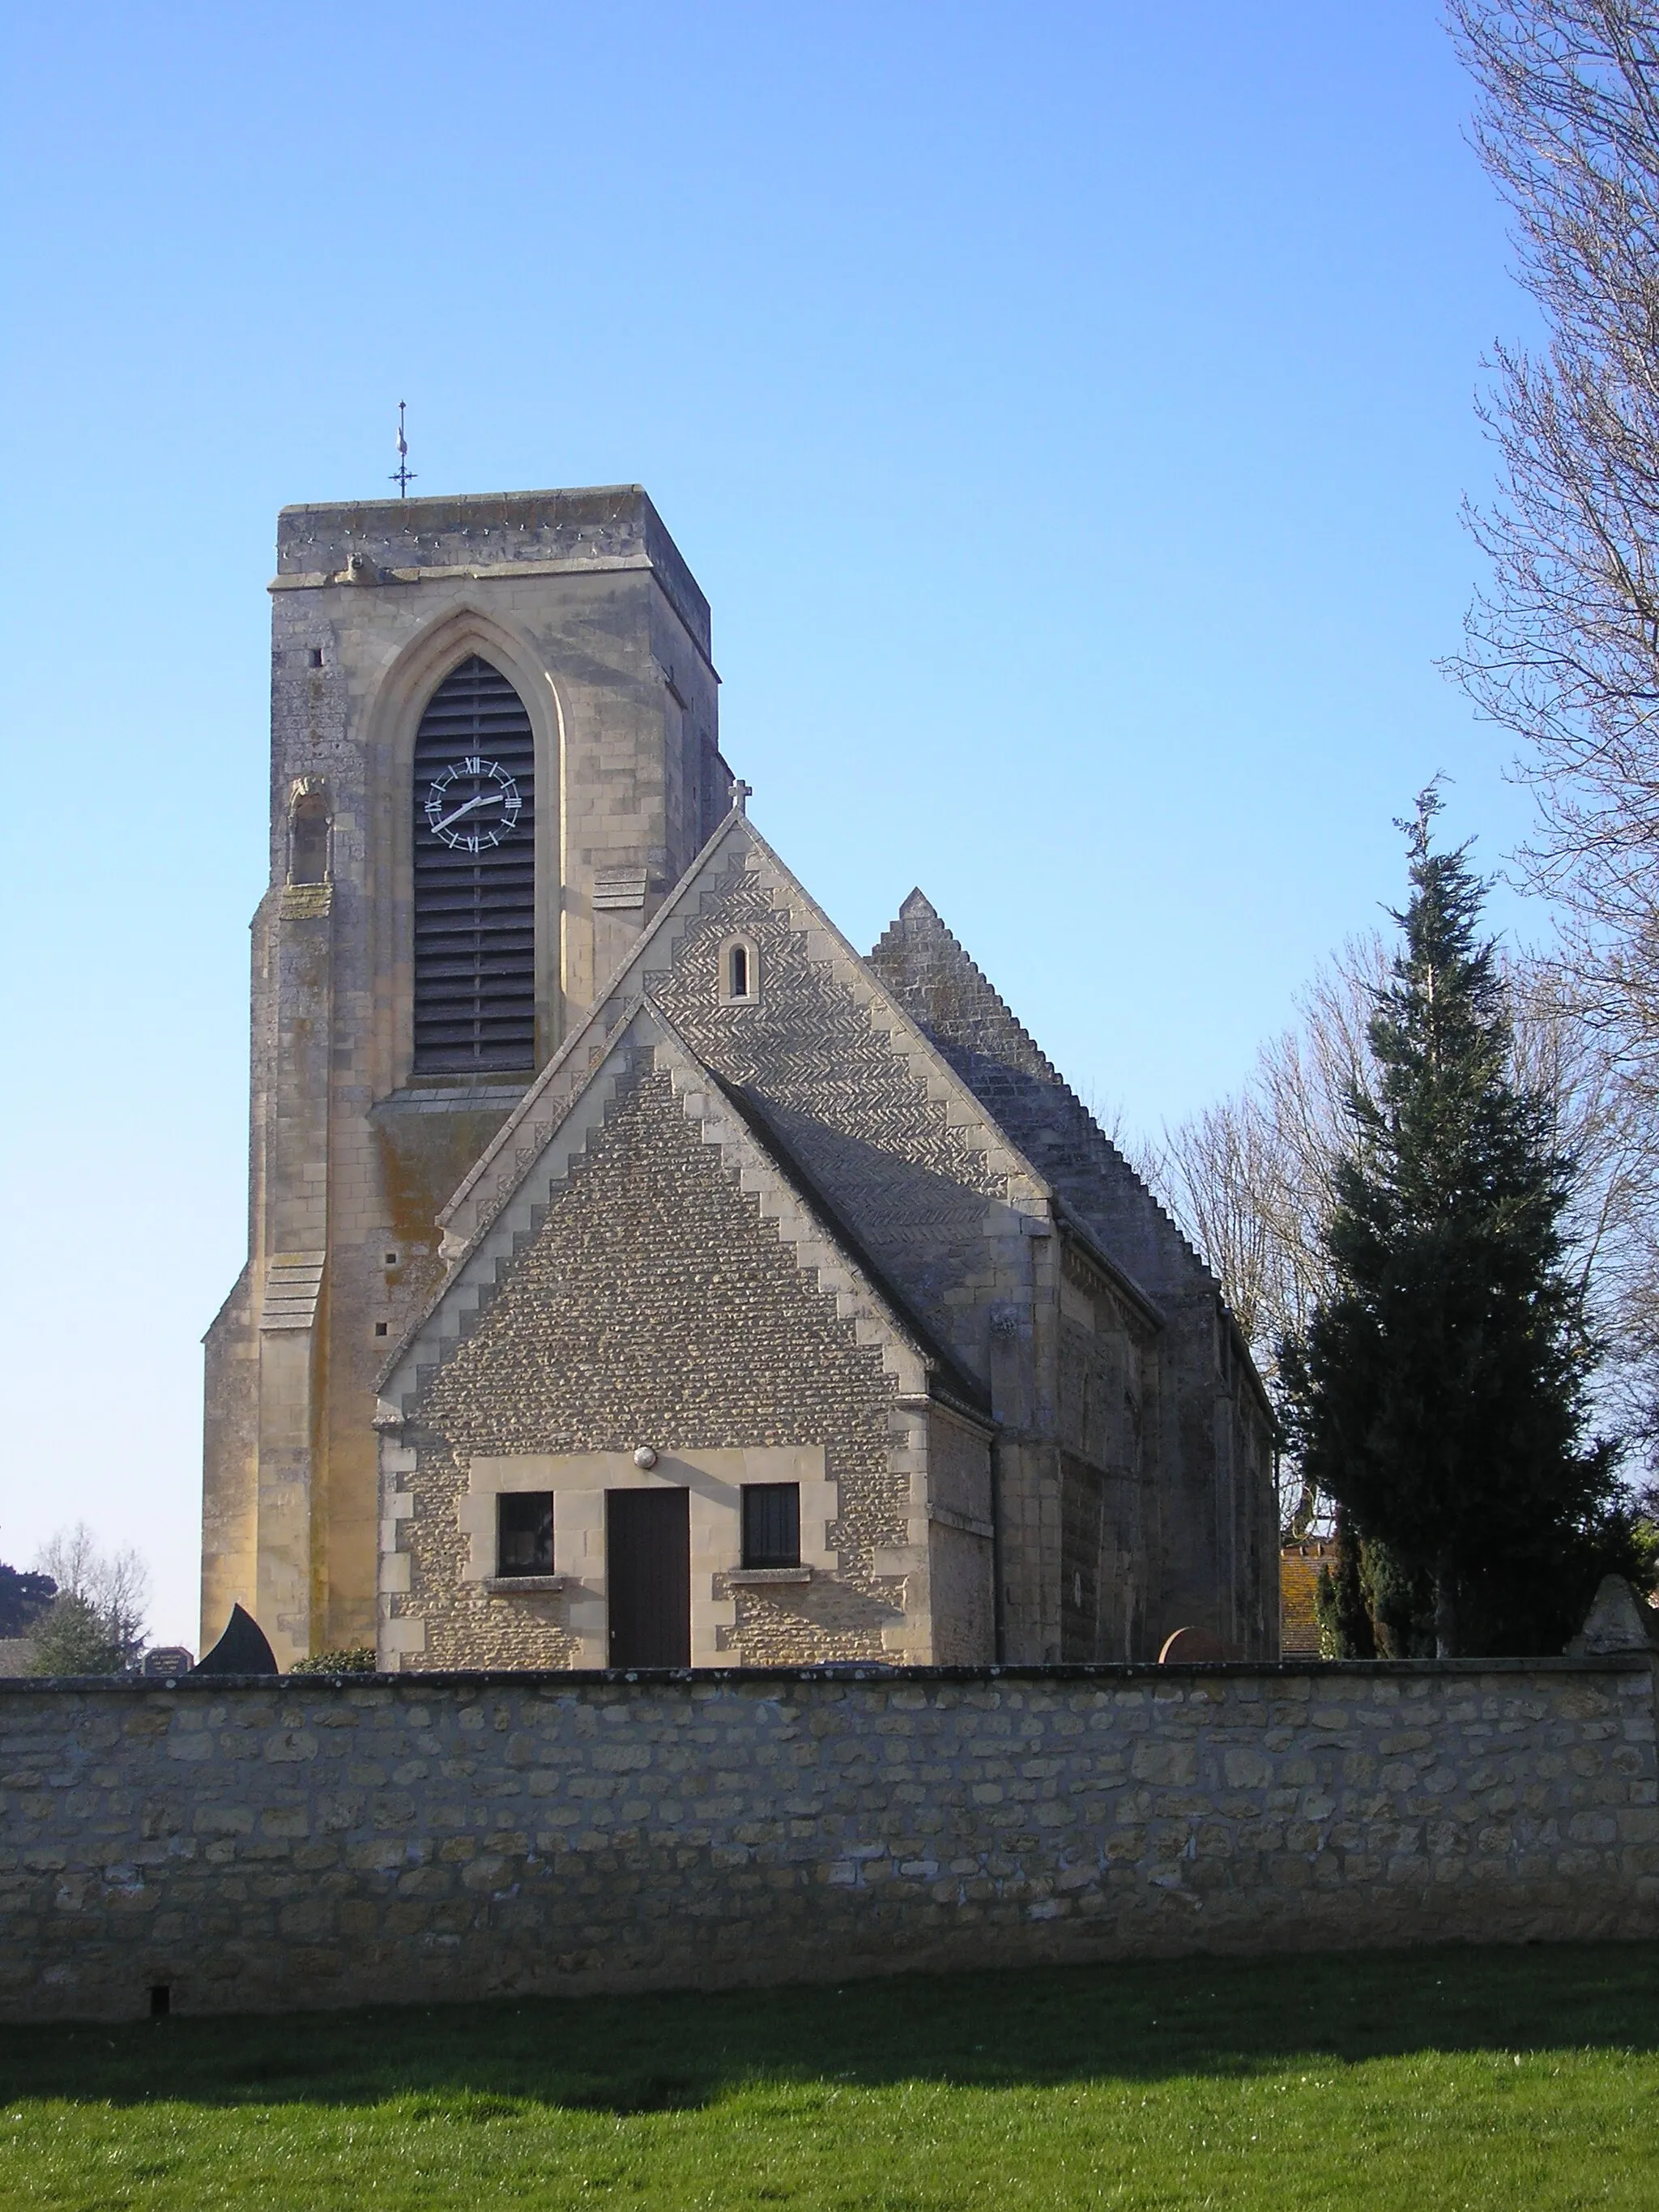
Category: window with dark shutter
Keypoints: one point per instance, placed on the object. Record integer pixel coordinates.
(524, 1532)
(771, 1524)
(475, 876)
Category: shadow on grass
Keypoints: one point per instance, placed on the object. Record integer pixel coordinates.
(1142, 2022)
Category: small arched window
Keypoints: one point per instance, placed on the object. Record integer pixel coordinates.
(739, 972)
(308, 838)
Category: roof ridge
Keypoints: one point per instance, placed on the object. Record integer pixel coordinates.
(964, 955)
(919, 908)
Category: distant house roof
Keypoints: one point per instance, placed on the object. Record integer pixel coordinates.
(1299, 1565)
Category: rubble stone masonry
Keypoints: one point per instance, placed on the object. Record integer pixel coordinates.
(261, 1845)
(654, 1304)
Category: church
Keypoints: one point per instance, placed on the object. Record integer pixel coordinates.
(639, 1275)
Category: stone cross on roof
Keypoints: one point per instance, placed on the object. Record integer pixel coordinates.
(742, 792)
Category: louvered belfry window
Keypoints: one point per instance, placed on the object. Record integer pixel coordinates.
(475, 876)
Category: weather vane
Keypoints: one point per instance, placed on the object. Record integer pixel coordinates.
(402, 475)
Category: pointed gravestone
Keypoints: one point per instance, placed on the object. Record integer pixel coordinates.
(242, 1649)
(1615, 1622)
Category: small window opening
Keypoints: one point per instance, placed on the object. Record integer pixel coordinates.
(380, 1329)
(771, 1524)
(739, 972)
(160, 2000)
(524, 1532)
(308, 840)
(391, 1259)
(316, 656)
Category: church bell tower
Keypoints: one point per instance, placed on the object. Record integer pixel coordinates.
(495, 749)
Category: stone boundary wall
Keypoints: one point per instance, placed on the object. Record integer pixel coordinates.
(257, 1844)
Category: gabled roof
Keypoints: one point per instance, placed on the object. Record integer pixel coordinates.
(877, 1307)
(899, 1098)
(961, 1013)
(735, 847)
(869, 1114)
(953, 1375)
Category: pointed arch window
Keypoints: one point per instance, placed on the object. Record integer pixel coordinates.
(475, 876)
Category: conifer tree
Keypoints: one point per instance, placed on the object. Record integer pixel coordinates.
(1339, 1607)
(1439, 1391)
(74, 1639)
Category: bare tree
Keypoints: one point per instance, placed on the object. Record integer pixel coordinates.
(1250, 1179)
(1220, 1173)
(1604, 1122)
(1564, 647)
(114, 1586)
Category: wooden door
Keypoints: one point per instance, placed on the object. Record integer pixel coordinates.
(647, 1568)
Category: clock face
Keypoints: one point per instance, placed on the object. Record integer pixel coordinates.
(472, 805)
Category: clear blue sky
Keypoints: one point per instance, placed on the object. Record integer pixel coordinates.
(1065, 408)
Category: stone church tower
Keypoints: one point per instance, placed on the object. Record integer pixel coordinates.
(493, 751)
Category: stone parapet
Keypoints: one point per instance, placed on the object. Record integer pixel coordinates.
(259, 1845)
(543, 533)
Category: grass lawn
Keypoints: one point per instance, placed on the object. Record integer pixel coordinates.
(1425, 2081)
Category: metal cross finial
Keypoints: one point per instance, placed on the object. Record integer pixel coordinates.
(742, 792)
(402, 475)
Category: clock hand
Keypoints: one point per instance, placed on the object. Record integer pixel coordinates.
(484, 798)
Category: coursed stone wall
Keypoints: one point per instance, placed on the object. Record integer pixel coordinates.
(255, 1845)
